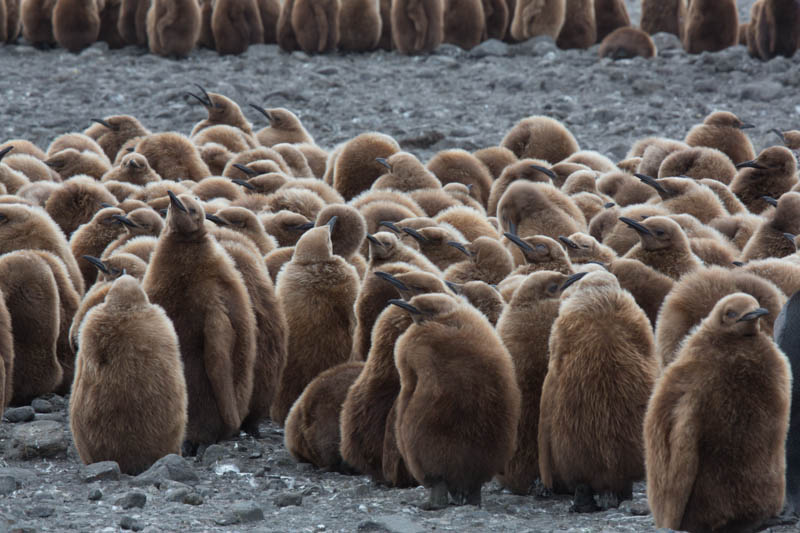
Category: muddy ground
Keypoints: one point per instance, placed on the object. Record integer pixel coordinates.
(448, 99)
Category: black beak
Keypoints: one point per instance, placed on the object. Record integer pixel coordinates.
(391, 225)
(519, 242)
(512, 228)
(460, 247)
(303, 227)
(609, 205)
(414, 233)
(569, 242)
(262, 111)
(206, 103)
(455, 287)
(332, 223)
(652, 182)
(572, 280)
(747, 126)
(737, 264)
(384, 162)
(751, 164)
(5, 151)
(125, 220)
(752, 315)
(97, 263)
(546, 171)
(105, 205)
(373, 240)
(635, 225)
(770, 200)
(175, 201)
(405, 305)
(247, 170)
(103, 123)
(394, 281)
(216, 220)
(244, 183)
(779, 133)
(790, 237)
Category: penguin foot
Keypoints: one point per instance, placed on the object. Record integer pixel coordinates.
(438, 498)
(189, 448)
(584, 500)
(608, 500)
(540, 491)
(251, 428)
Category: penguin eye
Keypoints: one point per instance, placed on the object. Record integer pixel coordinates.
(660, 232)
(586, 246)
(541, 247)
(192, 210)
(731, 314)
(552, 288)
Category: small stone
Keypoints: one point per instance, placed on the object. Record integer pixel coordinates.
(763, 91)
(38, 439)
(131, 500)
(394, 523)
(242, 513)
(177, 495)
(193, 498)
(491, 47)
(667, 41)
(7, 485)
(634, 508)
(449, 50)
(288, 499)
(95, 495)
(171, 467)
(104, 470)
(19, 414)
(213, 453)
(130, 523)
(41, 511)
(41, 405)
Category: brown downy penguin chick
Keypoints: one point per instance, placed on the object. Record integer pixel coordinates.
(601, 354)
(386, 247)
(232, 138)
(769, 240)
(417, 26)
(361, 201)
(791, 139)
(487, 261)
(370, 399)
(360, 25)
(528, 208)
(771, 174)
(132, 23)
(76, 25)
(582, 248)
(647, 286)
(300, 201)
(29, 228)
(496, 159)
(451, 348)
(461, 193)
(93, 237)
(284, 32)
(316, 157)
(686, 196)
(31, 296)
(483, 297)
(580, 26)
(592, 159)
(6, 356)
(315, 344)
(173, 27)
(738, 228)
(206, 38)
(729, 380)
(663, 16)
(71, 162)
(284, 127)
(434, 201)
(215, 156)
(624, 188)
(348, 233)
(656, 153)
(173, 157)
(357, 165)
(541, 137)
(12, 21)
(469, 221)
(221, 111)
(583, 181)
(216, 187)
(526, 169)
(540, 253)
(244, 221)
(287, 227)
(259, 160)
(524, 328)
(316, 25)
(312, 433)
(663, 246)
(37, 193)
(76, 202)
(611, 15)
(134, 168)
(433, 244)
(774, 29)
(295, 160)
(784, 274)
(142, 247)
(497, 16)
(629, 165)
(119, 370)
(711, 26)
(693, 298)
(464, 23)
(270, 11)
(79, 141)
(626, 43)
(532, 18)
(723, 130)
(198, 286)
(699, 163)
(109, 17)
(37, 22)
(236, 24)
(617, 235)
(406, 174)
(111, 133)
(22, 146)
(141, 221)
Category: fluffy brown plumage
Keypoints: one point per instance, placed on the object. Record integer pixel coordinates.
(173, 27)
(711, 26)
(417, 25)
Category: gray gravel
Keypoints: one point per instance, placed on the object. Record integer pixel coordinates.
(449, 99)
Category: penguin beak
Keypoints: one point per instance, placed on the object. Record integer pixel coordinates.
(609, 205)
(405, 305)
(97, 263)
(303, 227)
(245, 184)
(103, 123)
(780, 135)
(216, 220)
(790, 237)
(262, 111)
(460, 247)
(546, 171)
(753, 315)
(751, 164)
(206, 103)
(747, 126)
(569, 242)
(175, 201)
(394, 281)
(519, 242)
(332, 223)
(206, 100)
(737, 264)
(455, 287)
(384, 162)
(417, 236)
(572, 280)
(391, 225)
(373, 240)
(125, 220)
(770, 200)
(635, 225)
(512, 228)
(5, 151)
(652, 182)
(247, 170)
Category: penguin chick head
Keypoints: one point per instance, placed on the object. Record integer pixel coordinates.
(221, 109)
(383, 245)
(538, 248)
(736, 314)
(186, 216)
(126, 292)
(417, 282)
(314, 246)
(238, 217)
(348, 229)
(579, 245)
(15, 222)
(658, 233)
(775, 159)
(63, 160)
(595, 279)
(120, 264)
(483, 249)
(135, 163)
(544, 285)
(787, 213)
(147, 222)
(725, 119)
(425, 307)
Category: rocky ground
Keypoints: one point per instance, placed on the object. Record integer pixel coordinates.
(448, 99)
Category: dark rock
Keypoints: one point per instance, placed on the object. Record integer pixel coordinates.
(41, 405)
(130, 523)
(7, 485)
(20, 475)
(95, 495)
(667, 41)
(177, 494)
(288, 499)
(131, 500)
(242, 513)
(492, 47)
(213, 453)
(192, 498)
(19, 414)
(41, 511)
(172, 467)
(394, 523)
(104, 470)
(450, 50)
(639, 508)
(41, 438)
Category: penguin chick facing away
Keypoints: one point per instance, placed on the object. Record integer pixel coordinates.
(601, 372)
(173, 27)
(417, 27)
(663, 16)
(532, 18)
(129, 401)
(711, 26)
(723, 130)
(627, 43)
(454, 442)
(236, 24)
(716, 425)
(316, 25)
(771, 174)
(541, 137)
(76, 25)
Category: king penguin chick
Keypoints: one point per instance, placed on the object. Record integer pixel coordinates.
(610, 15)
(37, 22)
(173, 157)
(236, 24)
(94, 236)
(132, 24)
(524, 328)
(663, 246)
(769, 240)
(417, 26)
(198, 286)
(112, 132)
(532, 18)
(76, 25)
(76, 201)
(540, 253)
(221, 111)
(774, 29)
(173, 27)
(497, 16)
(601, 355)
(143, 221)
(134, 168)
(460, 166)
(6, 356)
(716, 425)
(270, 12)
(528, 208)
(771, 174)
(357, 167)
(483, 297)
(663, 16)
(284, 32)
(486, 260)
(316, 25)
(626, 43)
(454, 442)
(123, 371)
(723, 130)
(541, 137)
(284, 127)
(711, 26)
(496, 159)
(580, 26)
(464, 23)
(406, 174)
(315, 342)
(359, 25)
(698, 163)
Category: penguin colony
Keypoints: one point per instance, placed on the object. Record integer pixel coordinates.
(532, 312)
(172, 28)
